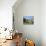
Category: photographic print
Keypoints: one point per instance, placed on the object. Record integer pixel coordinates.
(28, 19)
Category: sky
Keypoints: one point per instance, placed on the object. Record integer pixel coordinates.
(28, 17)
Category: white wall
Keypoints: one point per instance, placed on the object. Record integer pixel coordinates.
(43, 22)
(6, 13)
(29, 8)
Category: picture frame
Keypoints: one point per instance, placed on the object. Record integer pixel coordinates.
(28, 20)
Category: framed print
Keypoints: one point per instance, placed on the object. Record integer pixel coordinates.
(28, 19)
